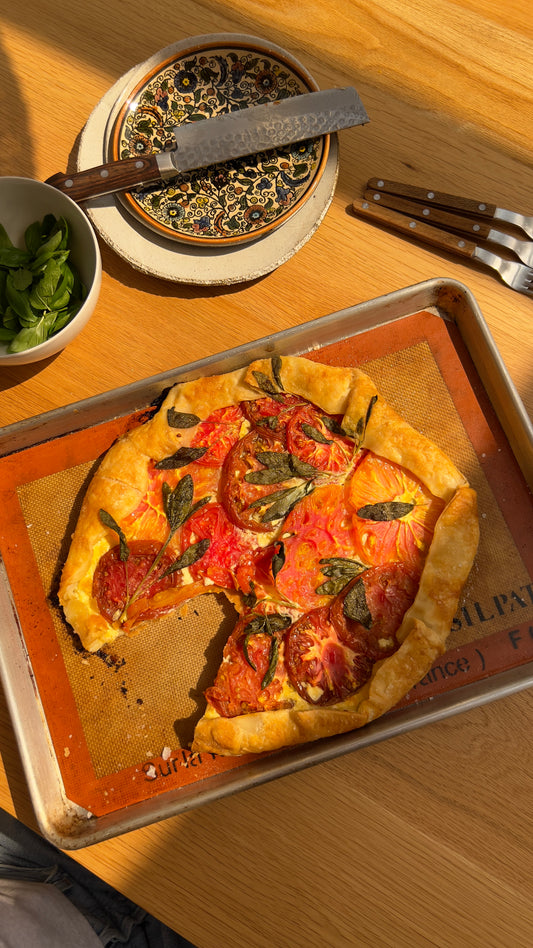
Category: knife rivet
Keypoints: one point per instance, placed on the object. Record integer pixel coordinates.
(426, 212)
(139, 164)
(412, 224)
(461, 243)
(431, 195)
(475, 227)
(69, 183)
(377, 197)
(380, 184)
(482, 207)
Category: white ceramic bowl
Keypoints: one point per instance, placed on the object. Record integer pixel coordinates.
(23, 201)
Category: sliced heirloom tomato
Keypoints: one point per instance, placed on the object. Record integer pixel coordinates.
(381, 489)
(116, 581)
(218, 433)
(243, 500)
(228, 544)
(329, 654)
(252, 672)
(314, 437)
(318, 528)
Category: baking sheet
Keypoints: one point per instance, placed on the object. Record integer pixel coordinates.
(104, 738)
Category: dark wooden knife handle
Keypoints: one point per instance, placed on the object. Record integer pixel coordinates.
(450, 201)
(104, 179)
(432, 215)
(415, 228)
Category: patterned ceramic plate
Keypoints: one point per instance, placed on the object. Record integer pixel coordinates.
(228, 203)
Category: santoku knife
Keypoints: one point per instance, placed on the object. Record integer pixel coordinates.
(223, 138)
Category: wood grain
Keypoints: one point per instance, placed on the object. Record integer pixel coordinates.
(425, 839)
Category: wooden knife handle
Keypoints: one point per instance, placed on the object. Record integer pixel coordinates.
(450, 201)
(433, 215)
(104, 179)
(412, 227)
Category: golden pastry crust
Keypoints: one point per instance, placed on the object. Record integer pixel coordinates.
(123, 479)
(423, 633)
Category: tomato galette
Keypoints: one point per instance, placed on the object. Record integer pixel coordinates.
(342, 536)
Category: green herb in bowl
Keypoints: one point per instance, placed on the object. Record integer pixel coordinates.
(40, 289)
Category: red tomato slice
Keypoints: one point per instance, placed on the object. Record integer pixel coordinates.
(254, 572)
(320, 526)
(148, 519)
(407, 538)
(218, 433)
(237, 494)
(305, 428)
(228, 544)
(329, 655)
(320, 666)
(237, 688)
(389, 590)
(115, 580)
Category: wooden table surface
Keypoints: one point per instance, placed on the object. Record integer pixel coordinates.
(424, 839)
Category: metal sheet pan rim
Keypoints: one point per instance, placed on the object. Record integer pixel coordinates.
(53, 810)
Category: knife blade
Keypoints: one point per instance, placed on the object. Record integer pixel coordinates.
(223, 138)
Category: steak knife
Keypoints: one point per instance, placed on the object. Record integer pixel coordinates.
(223, 138)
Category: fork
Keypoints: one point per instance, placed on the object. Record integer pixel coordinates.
(464, 225)
(516, 275)
(452, 202)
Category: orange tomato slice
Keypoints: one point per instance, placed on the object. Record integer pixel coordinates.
(405, 539)
(319, 527)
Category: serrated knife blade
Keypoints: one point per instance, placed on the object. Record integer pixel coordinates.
(223, 138)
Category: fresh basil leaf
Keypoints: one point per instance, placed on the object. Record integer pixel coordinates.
(5, 241)
(12, 257)
(22, 279)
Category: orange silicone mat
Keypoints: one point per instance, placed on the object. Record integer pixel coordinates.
(121, 721)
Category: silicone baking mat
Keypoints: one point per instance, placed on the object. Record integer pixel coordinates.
(121, 721)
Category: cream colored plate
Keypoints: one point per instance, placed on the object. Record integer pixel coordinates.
(158, 256)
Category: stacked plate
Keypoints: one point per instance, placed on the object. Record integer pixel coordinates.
(228, 223)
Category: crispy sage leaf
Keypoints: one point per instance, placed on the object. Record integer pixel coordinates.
(340, 571)
(362, 424)
(387, 510)
(315, 434)
(279, 466)
(332, 425)
(108, 521)
(250, 599)
(269, 421)
(278, 560)
(273, 661)
(275, 363)
(177, 502)
(191, 555)
(265, 384)
(271, 625)
(355, 606)
(182, 419)
(180, 458)
(286, 500)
